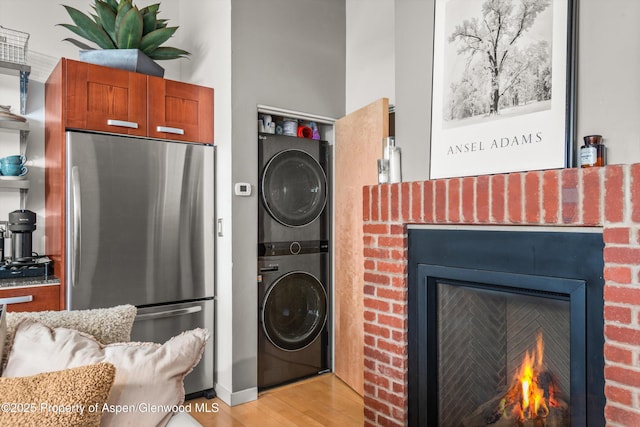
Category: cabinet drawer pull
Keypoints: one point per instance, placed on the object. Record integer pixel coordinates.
(167, 129)
(122, 123)
(16, 300)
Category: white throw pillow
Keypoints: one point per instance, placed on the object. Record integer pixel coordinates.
(149, 377)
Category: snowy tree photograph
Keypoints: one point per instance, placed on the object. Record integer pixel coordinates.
(503, 86)
(497, 62)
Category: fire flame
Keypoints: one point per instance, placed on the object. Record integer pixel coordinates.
(527, 399)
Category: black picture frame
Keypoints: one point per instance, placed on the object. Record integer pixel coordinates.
(517, 115)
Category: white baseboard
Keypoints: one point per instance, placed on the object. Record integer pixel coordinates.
(238, 397)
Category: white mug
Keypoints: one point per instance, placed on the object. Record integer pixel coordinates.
(266, 121)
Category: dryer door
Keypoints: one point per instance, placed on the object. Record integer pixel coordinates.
(294, 188)
(294, 311)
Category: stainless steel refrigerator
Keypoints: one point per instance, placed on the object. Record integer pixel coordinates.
(140, 218)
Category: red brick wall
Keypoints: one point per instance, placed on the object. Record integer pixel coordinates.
(606, 197)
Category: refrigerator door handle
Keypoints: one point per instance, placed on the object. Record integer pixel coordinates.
(166, 129)
(122, 123)
(77, 214)
(169, 313)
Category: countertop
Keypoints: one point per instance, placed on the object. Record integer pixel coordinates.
(28, 281)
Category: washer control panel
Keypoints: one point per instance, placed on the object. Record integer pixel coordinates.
(293, 248)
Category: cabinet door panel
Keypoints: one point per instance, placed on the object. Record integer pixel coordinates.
(358, 136)
(180, 111)
(42, 298)
(105, 99)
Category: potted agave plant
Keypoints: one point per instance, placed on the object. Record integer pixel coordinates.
(126, 37)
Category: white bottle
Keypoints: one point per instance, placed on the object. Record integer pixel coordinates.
(392, 153)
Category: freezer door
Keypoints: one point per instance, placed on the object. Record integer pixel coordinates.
(160, 323)
(140, 217)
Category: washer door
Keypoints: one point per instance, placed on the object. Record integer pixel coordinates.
(294, 311)
(294, 188)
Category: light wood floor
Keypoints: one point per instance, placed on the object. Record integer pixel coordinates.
(320, 401)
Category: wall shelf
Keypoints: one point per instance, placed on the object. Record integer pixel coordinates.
(18, 184)
(23, 71)
(14, 125)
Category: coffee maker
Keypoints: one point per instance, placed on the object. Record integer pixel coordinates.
(17, 259)
(21, 224)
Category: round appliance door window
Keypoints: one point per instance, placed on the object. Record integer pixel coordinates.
(294, 188)
(294, 311)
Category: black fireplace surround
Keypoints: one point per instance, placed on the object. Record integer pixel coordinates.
(555, 267)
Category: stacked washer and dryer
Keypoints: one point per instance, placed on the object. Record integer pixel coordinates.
(293, 259)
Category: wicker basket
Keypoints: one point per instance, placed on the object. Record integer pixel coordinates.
(13, 45)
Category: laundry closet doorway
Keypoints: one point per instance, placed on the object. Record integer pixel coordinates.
(295, 316)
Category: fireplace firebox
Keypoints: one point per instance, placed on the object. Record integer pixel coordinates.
(505, 327)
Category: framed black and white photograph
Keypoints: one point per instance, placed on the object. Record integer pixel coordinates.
(503, 85)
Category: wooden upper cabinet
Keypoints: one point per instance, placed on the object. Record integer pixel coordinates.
(180, 111)
(111, 100)
(105, 99)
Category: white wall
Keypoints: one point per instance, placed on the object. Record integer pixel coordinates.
(608, 69)
(414, 46)
(370, 58)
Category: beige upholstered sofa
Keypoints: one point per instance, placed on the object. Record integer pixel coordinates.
(84, 361)
(182, 419)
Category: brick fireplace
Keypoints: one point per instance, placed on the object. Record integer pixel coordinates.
(606, 197)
